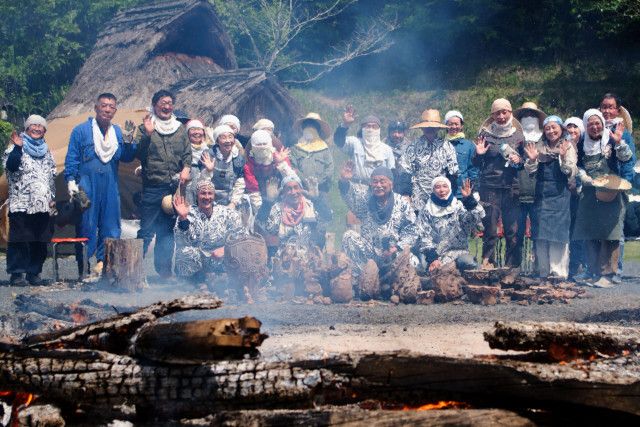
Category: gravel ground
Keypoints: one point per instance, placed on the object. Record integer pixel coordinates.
(294, 329)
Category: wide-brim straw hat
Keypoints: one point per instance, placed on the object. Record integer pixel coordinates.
(626, 117)
(530, 107)
(608, 187)
(325, 129)
(430, 119)
(167, 205)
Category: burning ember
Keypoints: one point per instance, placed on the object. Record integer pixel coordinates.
(19, 402)
(443, 404)
(393, 406)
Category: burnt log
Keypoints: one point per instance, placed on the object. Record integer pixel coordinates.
(114, 334)
(354, 415)
(369, 281)
(97, 381)
(584, 338)
(197, 341)
(447, 283)
(482, 294)
(123, 266)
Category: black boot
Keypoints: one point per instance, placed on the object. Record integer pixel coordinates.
(36, 280)
(17, 279)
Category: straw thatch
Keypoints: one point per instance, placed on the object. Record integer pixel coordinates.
(248, 93)
(148, 48)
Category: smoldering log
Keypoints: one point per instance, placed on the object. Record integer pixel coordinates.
(114, 334)
(96, 381)
(584, 338)
(354, 415)
(197, 341)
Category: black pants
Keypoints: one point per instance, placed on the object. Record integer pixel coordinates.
(26, 257)
(501, 204)
(153, 221)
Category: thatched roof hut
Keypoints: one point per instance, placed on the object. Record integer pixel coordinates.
(248, 93)
(182, 45)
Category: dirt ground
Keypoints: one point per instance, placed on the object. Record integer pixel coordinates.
(299, 329)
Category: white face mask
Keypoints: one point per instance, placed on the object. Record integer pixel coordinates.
(531, 128)
(371, 136)
(308, 135)
(262, 155)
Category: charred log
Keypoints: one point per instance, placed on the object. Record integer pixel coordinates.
(114, 334)
(586, 339)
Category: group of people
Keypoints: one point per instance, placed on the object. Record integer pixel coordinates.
(565, 180)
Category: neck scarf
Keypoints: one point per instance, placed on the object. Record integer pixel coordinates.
(310, 141)
(502, 131)
(197, 151)
(105, 145)
(165, 127)
(232, 155)
(459, 135)
(598, 146)
(36, 148)
(373, 145)
(438, 207)
(291, 216)
(611, 124)
(381, 213)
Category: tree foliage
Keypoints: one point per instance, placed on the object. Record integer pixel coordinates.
(43, 43)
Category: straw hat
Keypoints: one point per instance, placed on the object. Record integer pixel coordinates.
(325, 129)
(167, 205)
(608, 187)
(530, 107)
(430, 119)
(626, 117)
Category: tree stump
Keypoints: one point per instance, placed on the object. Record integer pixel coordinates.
(123, 264)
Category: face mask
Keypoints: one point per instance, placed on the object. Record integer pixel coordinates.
(308, 134)
(531, 128)
(262, 155)
(530, 124)
(371, 136)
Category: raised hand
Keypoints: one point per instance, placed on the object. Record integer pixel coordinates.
(465, 190)
(281, 155)
(482, 146)
(349, 116)
(346, 173)
(218, 252)
(129, 131)
(617, 135)
(15, 138)
(185, 176)
(435, 265)
(181, 206)
(531, 151)
(208, 161)
(148, 124)
(563, 148)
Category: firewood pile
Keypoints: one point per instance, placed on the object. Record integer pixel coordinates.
(500, 286)
(133, 367)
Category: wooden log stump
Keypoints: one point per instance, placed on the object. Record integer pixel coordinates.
(123, 264)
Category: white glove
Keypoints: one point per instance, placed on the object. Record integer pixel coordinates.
(73, 188)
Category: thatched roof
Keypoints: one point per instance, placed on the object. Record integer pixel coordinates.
(148, 48)
(249, 93)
